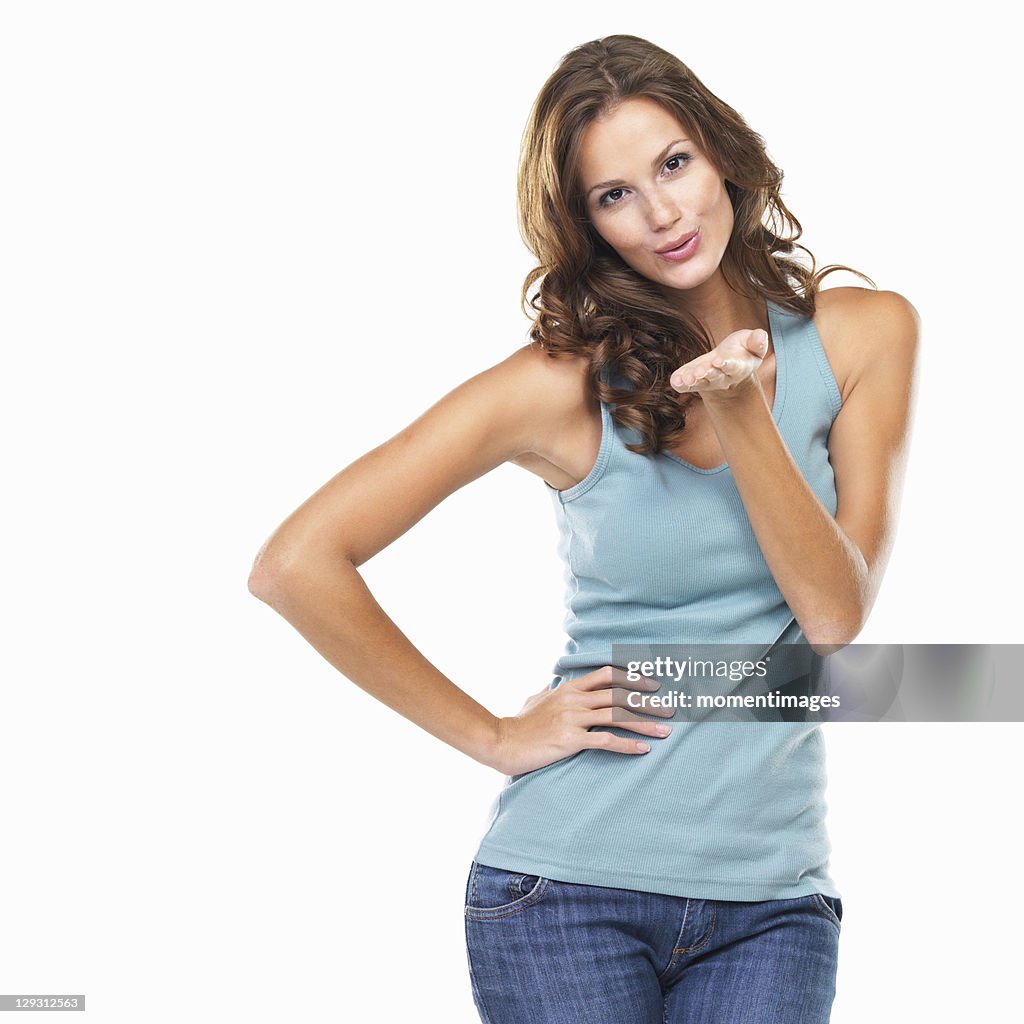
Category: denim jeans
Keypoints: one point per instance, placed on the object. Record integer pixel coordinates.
(548, 952)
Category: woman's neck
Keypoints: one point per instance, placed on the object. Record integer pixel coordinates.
(720, 309)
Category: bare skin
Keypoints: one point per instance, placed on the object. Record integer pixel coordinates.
(308, 570)
(535, 412)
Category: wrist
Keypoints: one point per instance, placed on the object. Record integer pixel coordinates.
(748, 396)
(489, 745)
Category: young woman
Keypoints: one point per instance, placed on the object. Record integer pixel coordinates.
(724, 445)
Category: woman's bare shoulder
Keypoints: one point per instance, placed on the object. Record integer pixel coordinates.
(563, 416)
(557, 383)
(853, 323)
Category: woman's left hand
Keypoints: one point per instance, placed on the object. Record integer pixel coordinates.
(728, 369)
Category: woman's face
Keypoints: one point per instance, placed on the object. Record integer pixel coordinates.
(646, 186)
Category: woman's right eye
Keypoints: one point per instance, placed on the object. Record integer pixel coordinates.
(610, 192)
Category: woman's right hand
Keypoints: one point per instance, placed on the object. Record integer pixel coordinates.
(555, 723)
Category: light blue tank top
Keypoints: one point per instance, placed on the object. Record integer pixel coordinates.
(657, 551)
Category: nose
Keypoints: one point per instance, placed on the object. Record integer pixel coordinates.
(662, 212)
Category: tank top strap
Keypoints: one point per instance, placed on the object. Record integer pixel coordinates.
(809, 377)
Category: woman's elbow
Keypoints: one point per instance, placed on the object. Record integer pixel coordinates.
(260, 583)
(269, 573)
(828, 639)
(293, 573)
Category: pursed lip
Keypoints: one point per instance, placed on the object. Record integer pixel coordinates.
(681, 240)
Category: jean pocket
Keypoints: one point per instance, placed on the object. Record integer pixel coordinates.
(830, 906)
(497, 892)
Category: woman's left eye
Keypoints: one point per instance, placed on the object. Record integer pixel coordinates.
(683, 157)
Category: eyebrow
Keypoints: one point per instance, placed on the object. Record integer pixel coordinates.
(654, 163)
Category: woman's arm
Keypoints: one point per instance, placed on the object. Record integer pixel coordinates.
(307, 570)
(830, 570)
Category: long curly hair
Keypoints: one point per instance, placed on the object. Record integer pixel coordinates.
(588, 300)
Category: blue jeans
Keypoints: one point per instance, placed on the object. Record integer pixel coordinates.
(542, 951)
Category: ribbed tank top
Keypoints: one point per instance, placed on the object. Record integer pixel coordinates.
(657, 551)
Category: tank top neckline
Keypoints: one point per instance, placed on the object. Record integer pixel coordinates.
(776, 315)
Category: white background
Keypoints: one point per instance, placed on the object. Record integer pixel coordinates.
(206, 315)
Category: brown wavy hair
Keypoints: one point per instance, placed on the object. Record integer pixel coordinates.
(589, 301)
